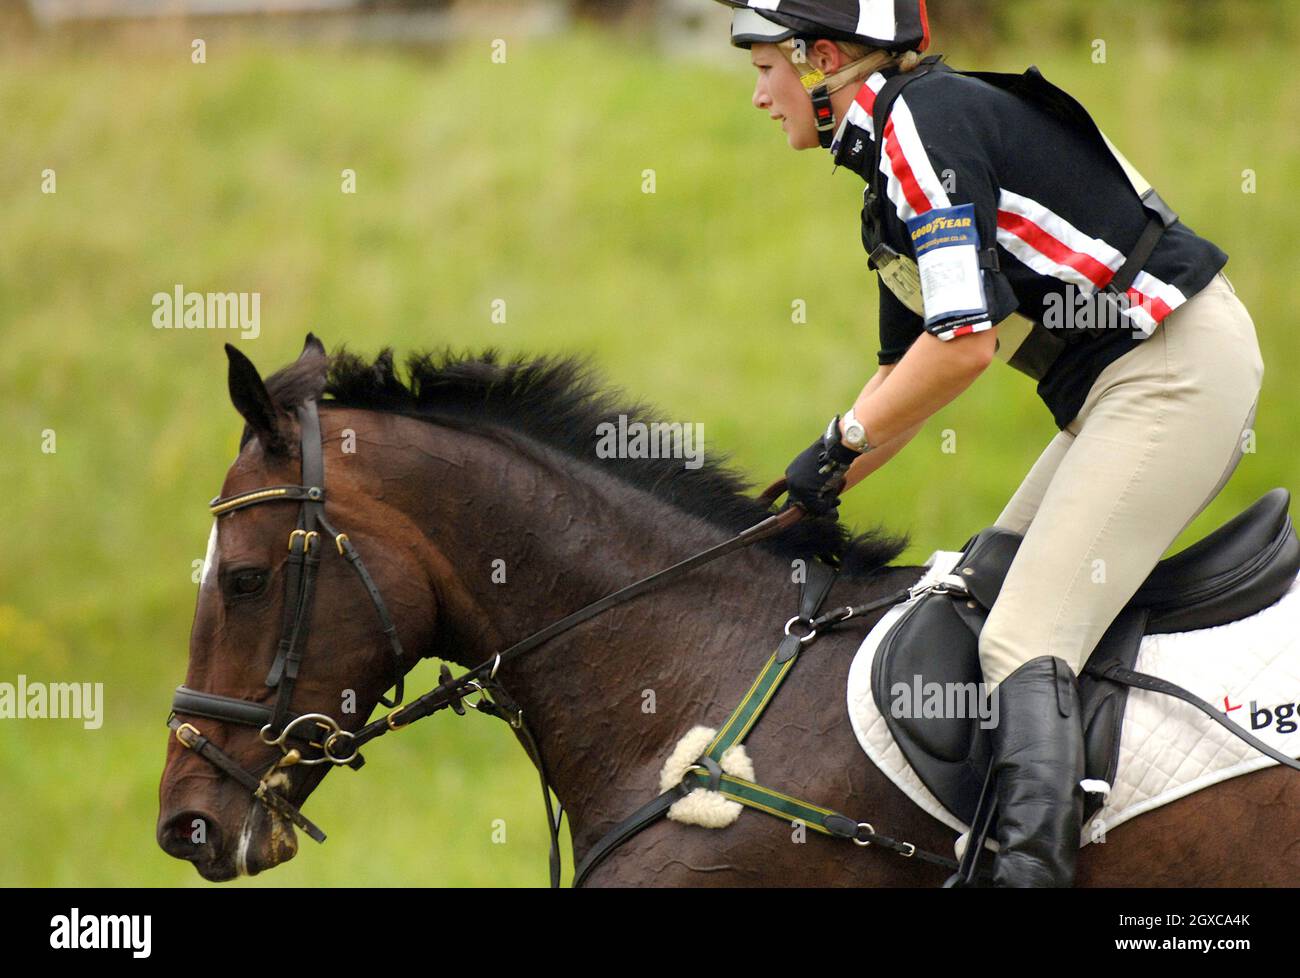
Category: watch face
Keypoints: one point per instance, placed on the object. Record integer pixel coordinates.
(854, 434)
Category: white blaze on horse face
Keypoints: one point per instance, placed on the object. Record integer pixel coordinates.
(277, 779)
(209, 558)
(245, 841)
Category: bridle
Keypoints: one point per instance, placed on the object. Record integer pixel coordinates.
(294, 734)
(277, 727)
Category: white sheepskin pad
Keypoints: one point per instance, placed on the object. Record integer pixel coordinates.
(709, 809)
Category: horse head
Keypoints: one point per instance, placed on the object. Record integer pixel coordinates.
(281, 627)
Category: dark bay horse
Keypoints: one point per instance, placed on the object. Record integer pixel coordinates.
(475, 492)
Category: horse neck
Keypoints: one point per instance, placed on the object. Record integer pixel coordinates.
(522, 538)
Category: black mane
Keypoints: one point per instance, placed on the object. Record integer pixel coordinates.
(559, 402)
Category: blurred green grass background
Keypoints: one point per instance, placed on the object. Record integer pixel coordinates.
(476, 181)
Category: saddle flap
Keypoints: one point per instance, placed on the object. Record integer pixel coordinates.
(926, 681)
(925, 664)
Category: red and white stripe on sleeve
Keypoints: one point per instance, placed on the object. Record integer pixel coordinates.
(1054, 247)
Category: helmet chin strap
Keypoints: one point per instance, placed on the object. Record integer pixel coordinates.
(821, 86)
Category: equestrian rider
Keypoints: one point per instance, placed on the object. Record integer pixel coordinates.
(993, 195)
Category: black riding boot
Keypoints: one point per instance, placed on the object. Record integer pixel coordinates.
(1038, 760)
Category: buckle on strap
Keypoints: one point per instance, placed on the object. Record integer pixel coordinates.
(823, 116)
(1153, 202)
(195, 735)
(310, 538)
(948, 584)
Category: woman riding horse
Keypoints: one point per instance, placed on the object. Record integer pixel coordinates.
(991, 195)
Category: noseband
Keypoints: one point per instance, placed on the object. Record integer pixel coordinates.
(294, 734)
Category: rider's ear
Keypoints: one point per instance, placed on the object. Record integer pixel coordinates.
(826, 56)
(248, 394)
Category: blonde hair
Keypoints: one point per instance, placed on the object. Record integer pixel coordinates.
(902, 60)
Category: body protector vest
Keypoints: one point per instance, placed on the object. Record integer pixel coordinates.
(1032, 348)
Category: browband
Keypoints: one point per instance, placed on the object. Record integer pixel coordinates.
(220, 505)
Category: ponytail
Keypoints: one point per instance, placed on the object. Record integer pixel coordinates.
(908, 60)
(868, 59)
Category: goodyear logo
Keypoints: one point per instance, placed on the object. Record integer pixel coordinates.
(942, 224)
(947, 228)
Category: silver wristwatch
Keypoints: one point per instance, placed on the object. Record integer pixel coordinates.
(855, 436)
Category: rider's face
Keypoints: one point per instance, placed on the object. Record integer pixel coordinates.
(781, 95)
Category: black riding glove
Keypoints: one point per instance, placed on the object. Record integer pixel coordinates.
(816, 476)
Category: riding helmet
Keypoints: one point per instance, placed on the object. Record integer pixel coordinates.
(895, 25)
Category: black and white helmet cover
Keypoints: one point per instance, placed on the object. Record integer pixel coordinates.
(895, 25)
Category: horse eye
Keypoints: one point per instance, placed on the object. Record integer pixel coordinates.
(247, 583)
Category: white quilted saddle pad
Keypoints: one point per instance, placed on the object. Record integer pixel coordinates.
(1168, 749)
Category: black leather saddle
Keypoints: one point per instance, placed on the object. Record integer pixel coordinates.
(1239, 569)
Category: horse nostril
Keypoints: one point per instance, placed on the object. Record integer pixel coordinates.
(188, 834)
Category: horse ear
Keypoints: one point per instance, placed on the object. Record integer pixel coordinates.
(313, 355)
(313, 347)
(248, 394)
